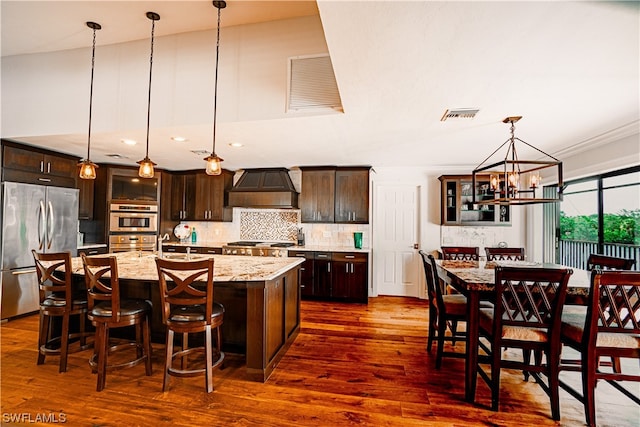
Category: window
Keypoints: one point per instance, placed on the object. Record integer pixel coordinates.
(599, 214)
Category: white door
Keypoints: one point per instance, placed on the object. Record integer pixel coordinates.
(396, 264)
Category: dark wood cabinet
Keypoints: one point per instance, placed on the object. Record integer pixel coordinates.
(352, 195)
(317, 196)
(335, 194)
(93, 251)
(306, 272)
(196, 196)
(21, 163)
(322, 274)
(183, 192)
(339, 276)
(181, 249)
(457, 207)
(350, 276)
(212, 195)
(85, 198)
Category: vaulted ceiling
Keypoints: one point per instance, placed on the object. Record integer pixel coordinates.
(570, 68)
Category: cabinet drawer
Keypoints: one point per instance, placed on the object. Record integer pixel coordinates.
(301, 254)
(322, 255)
(349, 256)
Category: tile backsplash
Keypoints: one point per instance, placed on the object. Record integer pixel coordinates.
(269, 225)
(279, 225)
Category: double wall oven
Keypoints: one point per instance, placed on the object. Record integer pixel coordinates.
(132, 227)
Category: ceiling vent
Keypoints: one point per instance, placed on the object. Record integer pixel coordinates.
(312, 84)
(460, 113)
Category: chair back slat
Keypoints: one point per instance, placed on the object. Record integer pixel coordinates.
(186, 283)
(101, 279)
(48, 283)
(433, 282)
(529, 297)
(604, 262)
(464, 253)
(504, 254)
(614, 303)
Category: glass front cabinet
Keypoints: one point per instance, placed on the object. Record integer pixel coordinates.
(458, 207)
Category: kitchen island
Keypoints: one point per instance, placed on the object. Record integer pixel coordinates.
(261, 296)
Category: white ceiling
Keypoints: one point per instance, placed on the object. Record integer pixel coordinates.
(570, 68)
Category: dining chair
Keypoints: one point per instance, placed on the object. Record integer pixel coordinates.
(186, 301)
(605, 262)
(467, 253)
(107, 310)
(444, 310)
(526, 315)
(611, 329)
(502, 254)
(57, 299)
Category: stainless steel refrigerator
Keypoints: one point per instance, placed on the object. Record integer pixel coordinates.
(33, 217)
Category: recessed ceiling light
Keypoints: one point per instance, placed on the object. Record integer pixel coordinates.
(179, 138)
(236, 144)
(117, 156)
(129, 141)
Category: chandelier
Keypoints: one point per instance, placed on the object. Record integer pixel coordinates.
(513, 181)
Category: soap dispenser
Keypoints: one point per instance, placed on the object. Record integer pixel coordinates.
(194, 236)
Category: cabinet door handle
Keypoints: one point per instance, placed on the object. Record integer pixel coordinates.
(93, 252)
(351, 267)
(350, 256)
(346, 268)
(329, 268)
(42, 166)
(48, 167)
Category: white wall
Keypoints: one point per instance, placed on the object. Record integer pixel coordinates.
(432, 234)
(50, 84)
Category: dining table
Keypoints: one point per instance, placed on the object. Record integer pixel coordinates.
(476, 280)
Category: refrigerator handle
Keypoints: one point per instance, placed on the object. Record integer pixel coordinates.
(50, 224)
(41, 225)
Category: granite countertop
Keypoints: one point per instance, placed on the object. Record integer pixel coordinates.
(480, 275)
(227, 268)
(329, 248)
(318, 248)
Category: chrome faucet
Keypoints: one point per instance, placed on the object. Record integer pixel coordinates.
(188, 253)
(160, 240)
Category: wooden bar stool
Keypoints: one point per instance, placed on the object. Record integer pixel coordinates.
(107, 311)
(186, 295)
(57, 299)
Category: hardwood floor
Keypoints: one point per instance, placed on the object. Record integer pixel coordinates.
(351, 364)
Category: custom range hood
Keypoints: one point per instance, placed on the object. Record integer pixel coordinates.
(264, 188)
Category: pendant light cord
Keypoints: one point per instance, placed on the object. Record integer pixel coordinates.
(93, 60)
(215, 87)
(153, 26)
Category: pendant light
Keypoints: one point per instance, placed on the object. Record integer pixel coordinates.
(87, 167)
(213, 161)
(513, 181)
(146, 165)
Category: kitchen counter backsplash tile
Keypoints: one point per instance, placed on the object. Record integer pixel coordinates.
(269, 225)
(280, 225)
